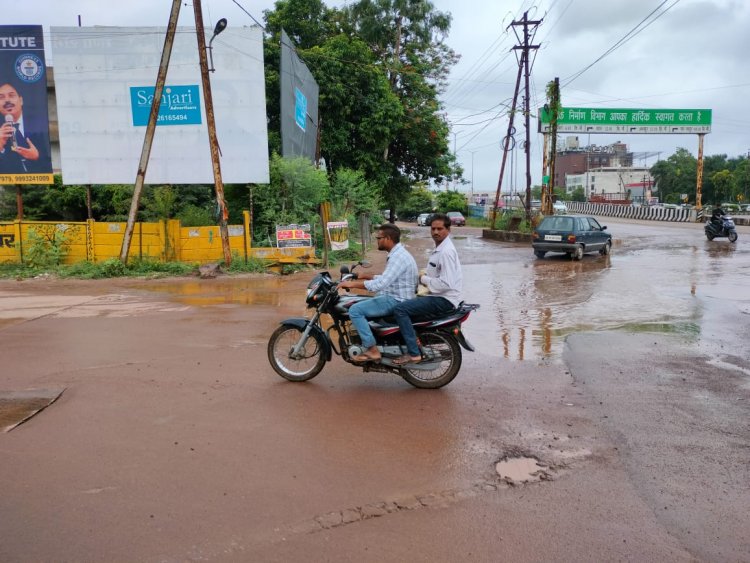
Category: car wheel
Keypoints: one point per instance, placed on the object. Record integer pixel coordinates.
(539, 253)
(606, 249)
(577, 254)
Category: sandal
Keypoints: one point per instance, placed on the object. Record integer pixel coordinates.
(406, 359)
(361, 358)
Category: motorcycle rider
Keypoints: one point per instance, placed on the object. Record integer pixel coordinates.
(716, 216)
(444, 281)
(397, 283)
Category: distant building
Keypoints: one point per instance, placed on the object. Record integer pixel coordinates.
(574, 159)
(601, 171)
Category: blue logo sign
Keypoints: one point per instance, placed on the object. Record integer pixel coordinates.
(300, 109)
(29, 68)
(180, 105)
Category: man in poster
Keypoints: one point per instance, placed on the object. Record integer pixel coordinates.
(19, 153)
(24, 124)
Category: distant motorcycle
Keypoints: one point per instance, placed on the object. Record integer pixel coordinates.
(299, 348)
(723, 228)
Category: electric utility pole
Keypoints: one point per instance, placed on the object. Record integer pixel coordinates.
(525, 48)
(525, 71)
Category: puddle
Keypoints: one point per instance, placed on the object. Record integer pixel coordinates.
(265, 291)
(519, 469)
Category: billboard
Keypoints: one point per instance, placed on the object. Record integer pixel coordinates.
(609, 120)
(24, 121)
(299, 104)
(104, 81)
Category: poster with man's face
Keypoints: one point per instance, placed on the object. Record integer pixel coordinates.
(25, 156)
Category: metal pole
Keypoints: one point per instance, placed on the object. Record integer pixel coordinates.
(150, 129)
(212, 140)
(699, 174)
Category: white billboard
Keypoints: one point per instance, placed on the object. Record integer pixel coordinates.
(104, 82)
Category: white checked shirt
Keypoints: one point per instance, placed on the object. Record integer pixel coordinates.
(399, 280)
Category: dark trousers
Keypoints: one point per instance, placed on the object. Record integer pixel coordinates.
(417, 307)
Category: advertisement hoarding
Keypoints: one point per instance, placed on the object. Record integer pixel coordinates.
(24, 121)
(105, 78)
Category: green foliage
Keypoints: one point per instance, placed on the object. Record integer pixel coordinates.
(419, 201)
(193, 216)
(578, 194)
(296, 190)
(451, 201)
(45, 247)
(352, 194)
(723, 184)
(159, 203)
(252, 266)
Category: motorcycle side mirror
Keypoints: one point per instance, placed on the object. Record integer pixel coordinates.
(344, 270)
(364, 264)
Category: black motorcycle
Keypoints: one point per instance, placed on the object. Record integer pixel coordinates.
(723, 227)
(300, 347)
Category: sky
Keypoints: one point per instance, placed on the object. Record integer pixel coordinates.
(648, 54)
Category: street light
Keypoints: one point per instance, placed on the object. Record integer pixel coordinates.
(221, 25)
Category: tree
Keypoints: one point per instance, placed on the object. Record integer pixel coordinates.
(722, 186)
(451, 201)
(676, 174)
(419, 201)
(296, 190)
(407, 39)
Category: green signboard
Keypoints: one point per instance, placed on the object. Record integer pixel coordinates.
(609, 120)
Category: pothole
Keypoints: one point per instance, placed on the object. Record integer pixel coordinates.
(17, 407)
(517, 470)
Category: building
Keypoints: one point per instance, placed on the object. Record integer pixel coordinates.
(574, 159)
(604, 171)
(633, 183)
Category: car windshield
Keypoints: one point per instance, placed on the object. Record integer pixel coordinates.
(557, 224)
(454, 214)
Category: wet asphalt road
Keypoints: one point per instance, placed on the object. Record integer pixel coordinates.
(626, 376)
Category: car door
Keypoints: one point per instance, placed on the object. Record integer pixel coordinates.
(596, 234)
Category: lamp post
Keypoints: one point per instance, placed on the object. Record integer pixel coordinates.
(211, 123)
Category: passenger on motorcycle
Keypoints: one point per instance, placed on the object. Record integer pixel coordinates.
(444, 281)
(397, 283)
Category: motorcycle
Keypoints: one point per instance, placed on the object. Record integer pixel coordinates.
(300, 347)
(724, 228)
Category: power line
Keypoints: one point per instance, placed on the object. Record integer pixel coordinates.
(624, 39)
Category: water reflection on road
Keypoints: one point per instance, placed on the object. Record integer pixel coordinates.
(658, 279)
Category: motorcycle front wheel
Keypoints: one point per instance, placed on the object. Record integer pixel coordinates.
(280, 346)
(732, 236)
(442, 361)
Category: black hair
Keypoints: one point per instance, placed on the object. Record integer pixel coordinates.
(391, 231)
(441, 217)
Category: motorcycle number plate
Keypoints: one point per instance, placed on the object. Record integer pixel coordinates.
(553, 237)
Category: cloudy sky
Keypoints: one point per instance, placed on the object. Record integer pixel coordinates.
(662, 54)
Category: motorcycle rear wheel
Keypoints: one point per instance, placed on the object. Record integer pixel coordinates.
(446, 349)
(280, 346)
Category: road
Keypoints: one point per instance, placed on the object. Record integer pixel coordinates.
(625, 378)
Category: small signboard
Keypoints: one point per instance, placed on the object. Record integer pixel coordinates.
(609, 120)
(292, 236)
(338, 234)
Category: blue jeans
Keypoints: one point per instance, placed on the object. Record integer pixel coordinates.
(404, 311)
(379, 306)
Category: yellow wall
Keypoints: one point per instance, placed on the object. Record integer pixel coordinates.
(164, 241)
